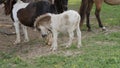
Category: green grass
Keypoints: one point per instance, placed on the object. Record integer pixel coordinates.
(74, 4)
(100, 50)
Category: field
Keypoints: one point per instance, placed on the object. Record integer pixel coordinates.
(100, 49)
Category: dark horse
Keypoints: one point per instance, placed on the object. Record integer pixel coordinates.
(26, 13)
(86, 6)
(60, 5)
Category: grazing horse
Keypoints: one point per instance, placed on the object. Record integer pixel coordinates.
(25, 14)
(86, 6)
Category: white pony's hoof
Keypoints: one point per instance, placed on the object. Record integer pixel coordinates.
(16, 42)
(26, 40)
(67, 46)
(78, 46)
(53, 49)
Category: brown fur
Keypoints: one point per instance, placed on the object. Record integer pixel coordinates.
(42, 20)
(66, 16)
(112, 2)
(25, 16)
(8, 6)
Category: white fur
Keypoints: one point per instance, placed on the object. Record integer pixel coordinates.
(19, 5)
(67, 21)
(61, 24)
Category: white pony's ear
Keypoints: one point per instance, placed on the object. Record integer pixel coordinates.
(44, 20)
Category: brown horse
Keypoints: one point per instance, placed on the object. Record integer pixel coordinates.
(86, 6)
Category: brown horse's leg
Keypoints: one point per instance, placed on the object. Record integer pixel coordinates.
(82, 11)
(97, 13)
(90, 5)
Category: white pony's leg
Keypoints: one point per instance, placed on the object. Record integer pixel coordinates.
(71, 36)
(79, 36)
(54, 40)
(25, 33)
(16, 25)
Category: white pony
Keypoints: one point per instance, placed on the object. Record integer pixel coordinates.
(67, 21)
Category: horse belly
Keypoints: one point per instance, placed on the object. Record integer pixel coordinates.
(112, 2)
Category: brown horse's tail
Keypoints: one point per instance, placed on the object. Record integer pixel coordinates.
(82, 11)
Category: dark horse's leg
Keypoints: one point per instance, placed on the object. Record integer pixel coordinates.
(65, 4)
(61, 5)
(82, 11)
(90, 5)
(98, 4)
